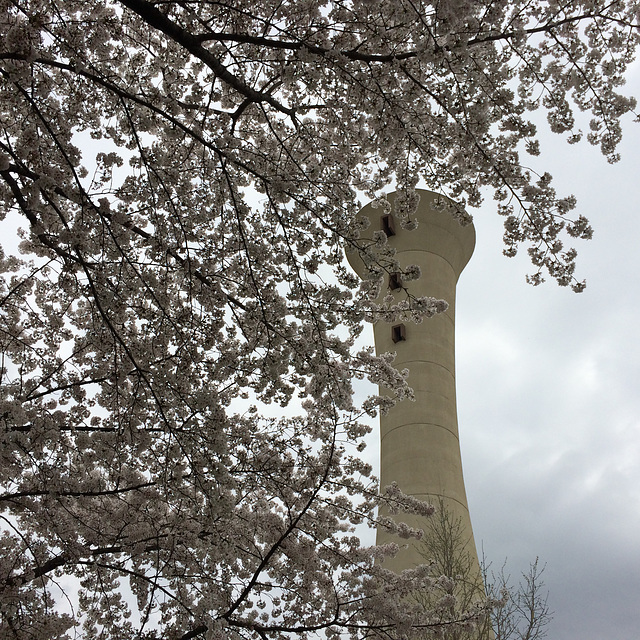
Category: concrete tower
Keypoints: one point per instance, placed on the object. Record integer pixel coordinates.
(420, 448)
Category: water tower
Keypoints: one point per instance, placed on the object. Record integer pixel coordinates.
(419, 443)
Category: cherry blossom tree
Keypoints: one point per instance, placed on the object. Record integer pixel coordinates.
(185, 175)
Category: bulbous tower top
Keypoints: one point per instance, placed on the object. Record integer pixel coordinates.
(443, 229)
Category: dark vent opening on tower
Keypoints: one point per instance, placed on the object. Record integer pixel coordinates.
(395, 281)
(388, 225)
(398, 333)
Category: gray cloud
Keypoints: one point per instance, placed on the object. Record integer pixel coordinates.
(549, 404)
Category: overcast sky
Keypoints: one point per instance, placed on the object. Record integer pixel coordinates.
(548, 386)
